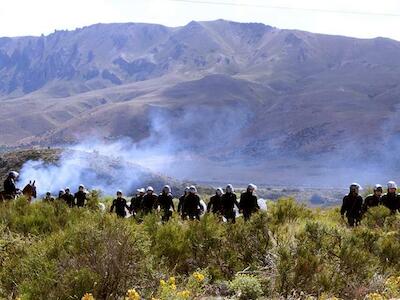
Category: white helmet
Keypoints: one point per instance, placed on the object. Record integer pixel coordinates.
(81, 186)
(219, 190)
(149, 188)
(230, 186)
(141, 190)
(355, 185)
(377, 187)
(62, 191)
(391, 185)
(193, 189)
(252, 186)
(167, 187)
(119, 192)
(13, 174)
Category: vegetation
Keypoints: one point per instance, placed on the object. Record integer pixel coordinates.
(48, 251)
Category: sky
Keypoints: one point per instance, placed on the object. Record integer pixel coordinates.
(357, 18)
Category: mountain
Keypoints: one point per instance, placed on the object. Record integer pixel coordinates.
(268, 94)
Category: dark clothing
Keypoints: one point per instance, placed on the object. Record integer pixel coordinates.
(391, 201)
(9, 187)
(248, 204)
(229, 200)
(352, 205)
(48, 199)
(180, 206)
(136, 204)
(215, 205)
(119, 204)
(371, 201)
(69, 199)
(80, 198)
(149, 203)
(166, 204)
(191, 206)
(180, 203)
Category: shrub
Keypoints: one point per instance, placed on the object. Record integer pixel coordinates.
(246, 287)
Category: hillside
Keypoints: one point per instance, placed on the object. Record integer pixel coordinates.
(279, 97)
(48, 251)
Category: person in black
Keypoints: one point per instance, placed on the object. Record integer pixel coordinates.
(180, 203)
(373, 199)
(68, 197)
(61, 194)
(10, 188)
(352, 205)
(229, 200)
(215, 204)
(119, 204)
(191, 205)
(137, 201)
(391, 199)
(80, 196)
(149, 201)
(248, 202)
(48, 198)
(165, 203)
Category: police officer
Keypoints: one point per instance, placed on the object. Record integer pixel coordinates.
(391, 199)
(191, 205)
(215, 204)
(80, 196)
(373, 199)
(120, 205)
(352, 205)
(248, 202)
(165, 203)
(229, 200)
(149, 201)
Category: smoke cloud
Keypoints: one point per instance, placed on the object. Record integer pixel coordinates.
(208, 145)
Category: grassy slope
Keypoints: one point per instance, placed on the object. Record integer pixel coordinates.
(49, 251)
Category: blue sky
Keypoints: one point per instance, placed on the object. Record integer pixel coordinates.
(376, 18)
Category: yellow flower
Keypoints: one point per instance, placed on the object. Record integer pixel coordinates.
(184, 294)
(173, 286)
(375, 296)
(393, 282)
(171, 280)
(132, 295)
(162, 282)
(88, 296)
(198, 276)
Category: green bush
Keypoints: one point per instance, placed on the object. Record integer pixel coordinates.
(246, 287)
(49, 251)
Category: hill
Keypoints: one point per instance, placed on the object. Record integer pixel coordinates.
(272, 95)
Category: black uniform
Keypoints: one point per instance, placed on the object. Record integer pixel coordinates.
(119, 204)
(391, 201)
(136, 204)
(191, 206)
(10, 190)
(352, 205)
(248, 204)
(80, 198)
(165, 202)
(215, 205)
(149, 203)
(69, 199)
(48, 199)
(229, 200)
(371, 201)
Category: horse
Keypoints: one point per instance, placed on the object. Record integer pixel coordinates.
(29, 191)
